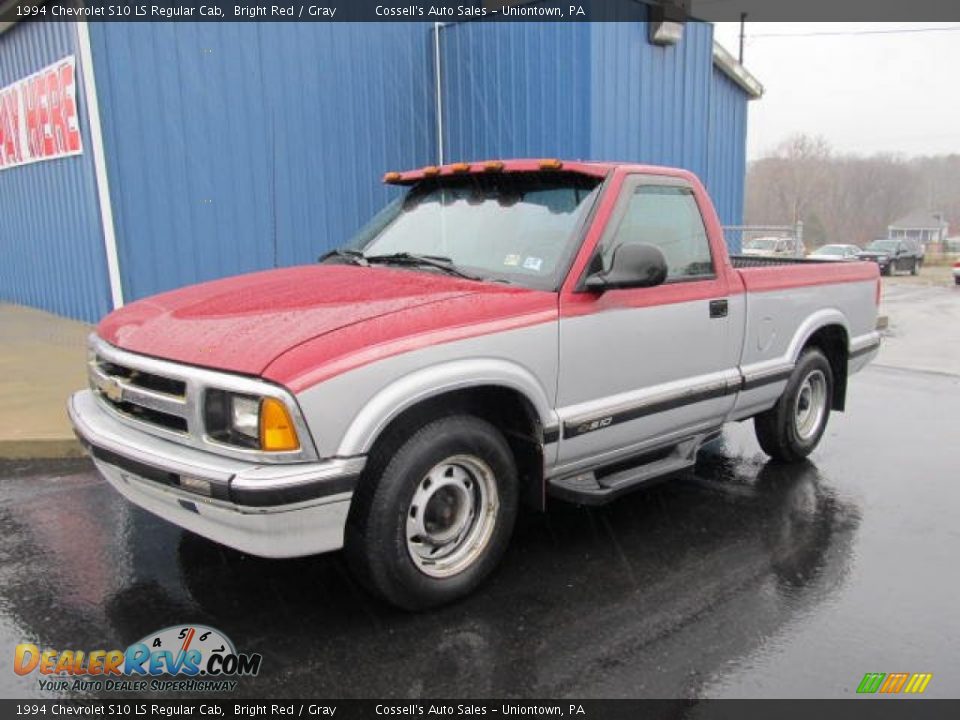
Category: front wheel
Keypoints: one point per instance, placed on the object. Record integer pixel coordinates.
(915, 268)
(791, 429)
(431, 521)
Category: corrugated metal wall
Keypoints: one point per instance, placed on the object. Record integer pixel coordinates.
(51, 242)
(596, 91)
(727, 150)
(239, 146)
(515, 90)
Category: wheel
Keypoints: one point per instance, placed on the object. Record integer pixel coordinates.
(956, 280)
(791, 429)
(915, 267)
(888, 270)
(431, 520)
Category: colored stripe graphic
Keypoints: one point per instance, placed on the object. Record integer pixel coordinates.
(918, 682)
(892, 683)
(871, 682)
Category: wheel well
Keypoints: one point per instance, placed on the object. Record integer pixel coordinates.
(505, 408)
(832, 341)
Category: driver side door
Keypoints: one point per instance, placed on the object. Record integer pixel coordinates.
(645, 367)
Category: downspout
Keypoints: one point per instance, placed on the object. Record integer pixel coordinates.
(439, 89)
(100, 164)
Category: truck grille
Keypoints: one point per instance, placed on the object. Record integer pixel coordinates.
(143, 396)
(166, 399)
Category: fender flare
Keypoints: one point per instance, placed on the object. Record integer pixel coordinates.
(428, 382)
(815, 322)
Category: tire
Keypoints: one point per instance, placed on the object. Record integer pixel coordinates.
(915, 268)
(410, 535)
(888, 270)
(787, 432)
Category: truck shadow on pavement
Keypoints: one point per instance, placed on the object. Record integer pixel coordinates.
(650, 596)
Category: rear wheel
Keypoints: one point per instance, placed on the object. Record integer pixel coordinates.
(915, 267)
(791, 429)
(432, 520)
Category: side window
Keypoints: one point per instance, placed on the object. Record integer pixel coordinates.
(666, 216)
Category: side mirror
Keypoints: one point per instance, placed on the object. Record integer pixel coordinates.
(634, 265)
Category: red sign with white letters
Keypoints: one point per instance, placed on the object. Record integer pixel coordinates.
(38, 116)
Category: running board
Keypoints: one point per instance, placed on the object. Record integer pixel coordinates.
(600, 486)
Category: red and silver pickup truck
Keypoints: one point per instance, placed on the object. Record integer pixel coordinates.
(503, 331)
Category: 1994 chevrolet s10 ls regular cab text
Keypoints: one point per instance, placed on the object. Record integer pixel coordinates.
(501, 332)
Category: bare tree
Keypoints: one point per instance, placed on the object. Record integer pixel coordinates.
(847, 198)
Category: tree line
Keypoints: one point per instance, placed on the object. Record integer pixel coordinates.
(843, 198)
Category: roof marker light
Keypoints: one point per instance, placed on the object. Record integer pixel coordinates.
(493, 166)
(551, 164)
(460, 167)
(392, 177)
(431, 170)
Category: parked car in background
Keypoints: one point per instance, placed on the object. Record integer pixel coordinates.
(892, 255)
(774, 247)
(836, 252)
(956, 272)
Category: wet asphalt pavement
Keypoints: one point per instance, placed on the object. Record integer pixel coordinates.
(741, 579)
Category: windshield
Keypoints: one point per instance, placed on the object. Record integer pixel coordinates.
(761, 244)
(831, 250)
(519, 228)
(883, 245)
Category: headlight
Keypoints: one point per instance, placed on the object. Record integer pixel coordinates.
(258, 423)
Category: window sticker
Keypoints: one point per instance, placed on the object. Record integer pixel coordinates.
(533, 263)
(511, 260)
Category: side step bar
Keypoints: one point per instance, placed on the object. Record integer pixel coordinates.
(600, 486)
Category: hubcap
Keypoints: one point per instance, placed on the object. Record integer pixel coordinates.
(811, 404)
(451, 516)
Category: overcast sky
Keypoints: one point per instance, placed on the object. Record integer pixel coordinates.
(886, 91)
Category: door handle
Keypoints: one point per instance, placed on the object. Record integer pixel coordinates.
(718, 308)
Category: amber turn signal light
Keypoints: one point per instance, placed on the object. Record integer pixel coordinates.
(277, 433)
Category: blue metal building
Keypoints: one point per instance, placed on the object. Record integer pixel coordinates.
(212, 149)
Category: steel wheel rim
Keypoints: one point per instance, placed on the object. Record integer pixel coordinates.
(810, 405)
(451, 516)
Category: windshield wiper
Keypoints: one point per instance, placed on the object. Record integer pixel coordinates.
(435, 261)
(354, 257)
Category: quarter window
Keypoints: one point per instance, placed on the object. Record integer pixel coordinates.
(666, 216)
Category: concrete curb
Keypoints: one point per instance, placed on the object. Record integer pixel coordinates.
(40, 449)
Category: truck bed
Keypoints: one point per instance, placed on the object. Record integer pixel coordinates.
(763, 273)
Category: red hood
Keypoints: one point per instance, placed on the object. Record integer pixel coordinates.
(243, 324)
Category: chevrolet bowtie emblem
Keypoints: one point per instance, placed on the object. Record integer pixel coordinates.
(112, 389)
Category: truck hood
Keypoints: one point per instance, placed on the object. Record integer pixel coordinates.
(242, 324)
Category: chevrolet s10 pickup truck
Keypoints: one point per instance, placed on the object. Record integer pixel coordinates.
(502, 332)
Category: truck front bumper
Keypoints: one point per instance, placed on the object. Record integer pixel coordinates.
(270, 510)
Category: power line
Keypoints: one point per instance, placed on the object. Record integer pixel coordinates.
(834, 33)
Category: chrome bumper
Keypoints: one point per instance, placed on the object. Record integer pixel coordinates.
(269, 510)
